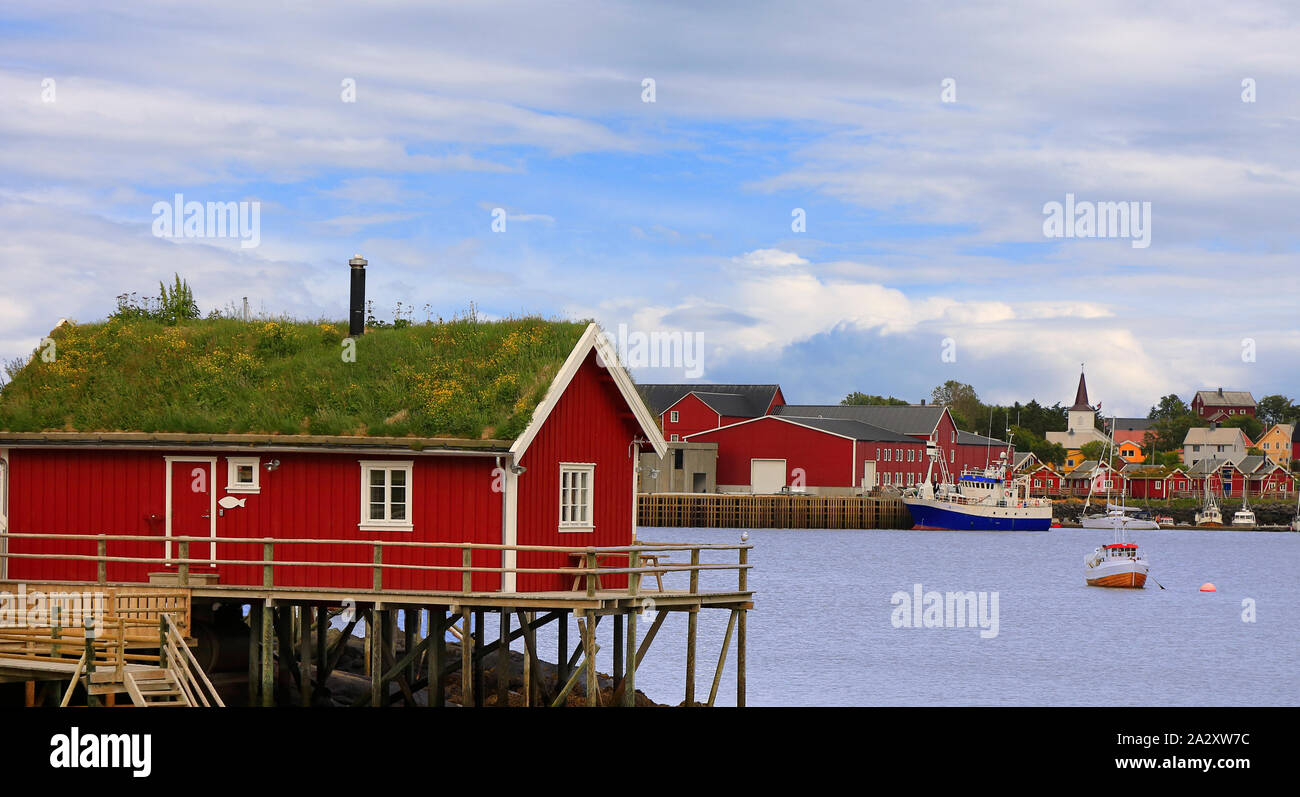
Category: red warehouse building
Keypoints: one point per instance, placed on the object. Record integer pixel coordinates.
(683, 410)
(818, 455)
(961, 450)
(563, 476)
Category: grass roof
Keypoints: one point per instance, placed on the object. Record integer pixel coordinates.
(462, 378)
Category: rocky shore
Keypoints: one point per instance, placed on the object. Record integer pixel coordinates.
(348, 683)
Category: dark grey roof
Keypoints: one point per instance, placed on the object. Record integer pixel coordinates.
(1226, 398)
(1133, 424)
(733, 404)
(1252, 463)
(756, 398)
(854, 429)
(913, 419)
(972, 439)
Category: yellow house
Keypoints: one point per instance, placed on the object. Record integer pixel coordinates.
(1276, 444)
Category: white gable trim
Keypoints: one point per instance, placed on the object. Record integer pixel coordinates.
(593, 338)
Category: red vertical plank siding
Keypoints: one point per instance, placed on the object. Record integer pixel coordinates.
(310, 496)
(827, 459)
(590, 423)
(693, 415)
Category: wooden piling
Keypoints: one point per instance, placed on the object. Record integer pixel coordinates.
(254, 653)
(466, 659)
(436, 655)
(376, 634)
(479, 680)
(587, 626)
(267, 628)
(629, 680)
(562, 656)
(503, 661)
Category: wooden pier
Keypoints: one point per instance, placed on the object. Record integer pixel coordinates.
(710, 511)
(288, 640)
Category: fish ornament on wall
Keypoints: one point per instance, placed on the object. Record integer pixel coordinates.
(230, 502)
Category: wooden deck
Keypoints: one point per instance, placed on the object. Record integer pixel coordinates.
(284, 619)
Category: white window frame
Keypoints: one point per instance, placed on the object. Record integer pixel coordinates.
(368, 466)
(672, 416)
(588, 525)
(676, 439)
(233, 485)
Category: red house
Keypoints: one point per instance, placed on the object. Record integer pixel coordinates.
(815, 455)
(961, 450)
(1219, 405)
(1044, 482)
(683, 410)
(565, 479)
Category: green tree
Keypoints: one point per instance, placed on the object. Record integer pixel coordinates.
(1246, 423)
(858, 398)
(962, 401)
(1027, 440)
(1275, 409)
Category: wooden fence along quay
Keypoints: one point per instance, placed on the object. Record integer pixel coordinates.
(289, 624)
(707, 510)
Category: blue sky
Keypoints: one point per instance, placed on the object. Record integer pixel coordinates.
(924, 217)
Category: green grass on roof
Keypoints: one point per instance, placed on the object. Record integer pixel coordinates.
(462, 378)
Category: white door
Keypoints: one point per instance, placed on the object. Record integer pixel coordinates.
(868, 474)
(766, 475)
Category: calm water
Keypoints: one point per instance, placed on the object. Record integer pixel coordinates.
(821, 633)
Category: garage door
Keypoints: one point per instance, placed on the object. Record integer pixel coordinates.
(766, 475)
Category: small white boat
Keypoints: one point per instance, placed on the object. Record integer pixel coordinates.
(1209, 514)
(1116, 565)
(1243, 517)
(1118, 514)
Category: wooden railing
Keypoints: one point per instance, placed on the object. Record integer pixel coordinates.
(175, 655)
(591, 568)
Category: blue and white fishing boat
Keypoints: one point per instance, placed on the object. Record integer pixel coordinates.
(987, 500)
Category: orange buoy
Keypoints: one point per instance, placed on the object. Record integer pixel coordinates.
(1209, 587)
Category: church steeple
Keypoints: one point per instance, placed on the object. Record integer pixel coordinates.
(1081, 396)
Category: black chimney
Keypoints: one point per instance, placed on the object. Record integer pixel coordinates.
(357, 306)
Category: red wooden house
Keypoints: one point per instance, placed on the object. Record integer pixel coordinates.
(683, 410)
(816, 455)
(565, 480)
(1044, 482)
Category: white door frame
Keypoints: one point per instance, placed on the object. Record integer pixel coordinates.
(211, 462)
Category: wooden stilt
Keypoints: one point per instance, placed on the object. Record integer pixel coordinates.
(641, 650)
(388, 630)
(254, 653)
(375, 633)
(562, 658)
(29, 694)
(466, 660)
(589, 644)
(530, 648)
(322, 638)
(618, 644)
(304, 654)
(503, 661)
(722, 657)
(692, 634)
(267, 690)
(740, 659)
(410, 631)
(436, 657)
(479, 681)
(629, 680)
